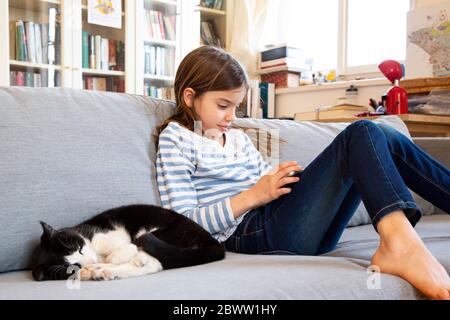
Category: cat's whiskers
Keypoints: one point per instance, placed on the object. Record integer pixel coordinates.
(64, 244)
(57, 269)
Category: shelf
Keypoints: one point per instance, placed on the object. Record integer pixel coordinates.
(161, 5)
(166, 2)
(84, 7)
(166, 43)
(334, 86)
(159, 78)
(96, 72)
(34, 5)
(208, 13)
(425, 85)
(26, 64)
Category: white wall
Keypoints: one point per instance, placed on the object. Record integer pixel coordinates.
(292, 100)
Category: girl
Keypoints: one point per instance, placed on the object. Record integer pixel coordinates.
(216, 177)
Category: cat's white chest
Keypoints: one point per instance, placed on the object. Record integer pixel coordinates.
(105, 243)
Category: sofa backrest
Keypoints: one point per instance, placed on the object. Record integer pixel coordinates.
(66, 155)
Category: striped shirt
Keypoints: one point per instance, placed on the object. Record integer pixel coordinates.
(197, 176)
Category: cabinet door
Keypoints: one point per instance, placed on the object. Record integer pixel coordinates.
(34, 34)
(98, 54)
(206, 23)
(158, 46)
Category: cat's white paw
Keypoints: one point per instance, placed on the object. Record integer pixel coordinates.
(140, 259)
(144, 260)
(85, 274)
(94, 272)
(122, 255)
(103, 274)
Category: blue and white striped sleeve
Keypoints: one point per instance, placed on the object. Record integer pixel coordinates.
(174, 168)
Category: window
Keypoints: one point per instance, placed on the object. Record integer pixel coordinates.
(309, 25)
(350, 36)
(376, 32)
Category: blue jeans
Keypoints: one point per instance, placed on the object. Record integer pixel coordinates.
(370, 162)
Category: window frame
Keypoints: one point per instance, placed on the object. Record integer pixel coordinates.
(343, 70)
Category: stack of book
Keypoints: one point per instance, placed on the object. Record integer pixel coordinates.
(159, 26)
(113, 84)
(209, 34)
(259, 102)
(212, 4)
(282, 65)
(165, 93)
(340, 111)
(102, 54)
(30, 42)
(33, 79)
(158, 61)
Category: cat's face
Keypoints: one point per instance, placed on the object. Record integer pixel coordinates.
(61, 252)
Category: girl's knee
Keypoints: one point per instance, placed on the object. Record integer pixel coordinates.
(362, 125)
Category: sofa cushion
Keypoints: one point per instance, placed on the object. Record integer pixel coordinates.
(304, 141)
(66, 155)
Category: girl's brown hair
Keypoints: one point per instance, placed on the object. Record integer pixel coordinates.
(205, 69)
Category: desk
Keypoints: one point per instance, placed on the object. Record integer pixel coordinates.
(419, 125)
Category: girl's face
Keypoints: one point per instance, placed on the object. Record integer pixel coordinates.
(216, 109)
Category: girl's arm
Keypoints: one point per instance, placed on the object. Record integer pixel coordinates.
(267, 189)
(174, 167)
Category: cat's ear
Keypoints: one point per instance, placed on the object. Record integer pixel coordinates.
(47, 229)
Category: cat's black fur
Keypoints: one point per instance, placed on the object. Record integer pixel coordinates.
(177, 242)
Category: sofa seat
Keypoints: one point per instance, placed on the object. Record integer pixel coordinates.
(241, 276)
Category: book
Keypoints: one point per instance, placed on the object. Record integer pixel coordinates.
(255, 110)
(31, 41)
(51, 50)
(279, 69)
(331, 112)
(104, 55)
(12, 40)
(282, 79)
(285, 62)
(85, 49)
(44, 34)
(280, 52)
(267, 93)
(38, 42)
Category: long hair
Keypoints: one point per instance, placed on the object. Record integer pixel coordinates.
(205, 69)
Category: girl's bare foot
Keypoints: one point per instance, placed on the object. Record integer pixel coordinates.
(403, 253)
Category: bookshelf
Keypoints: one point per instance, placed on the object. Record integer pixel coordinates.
(181, 21)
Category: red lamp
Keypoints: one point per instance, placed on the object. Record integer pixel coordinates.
(396, 96)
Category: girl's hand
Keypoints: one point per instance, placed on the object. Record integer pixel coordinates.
(270, 186)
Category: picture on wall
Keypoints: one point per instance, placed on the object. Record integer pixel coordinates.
(105, 13)
(428, 42)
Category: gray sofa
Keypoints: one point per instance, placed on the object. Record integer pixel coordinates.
(66, 155)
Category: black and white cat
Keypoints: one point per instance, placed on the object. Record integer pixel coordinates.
(124, 242)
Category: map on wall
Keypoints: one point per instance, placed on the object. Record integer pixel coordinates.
(428, 44)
